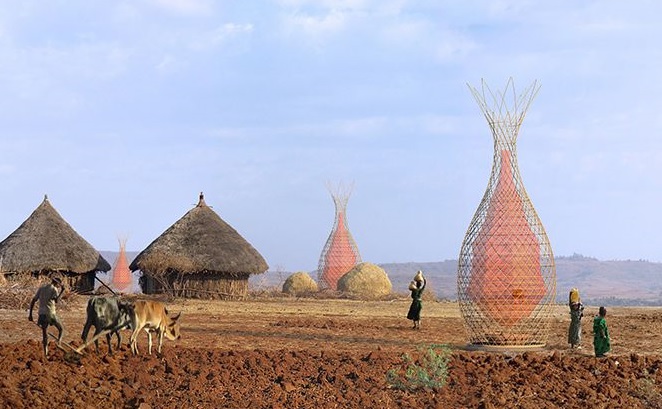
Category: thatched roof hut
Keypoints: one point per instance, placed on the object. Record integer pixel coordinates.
(200, 256)
(45, 243)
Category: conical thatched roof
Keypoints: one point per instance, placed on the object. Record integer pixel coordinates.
(200, 242)
(46, 242)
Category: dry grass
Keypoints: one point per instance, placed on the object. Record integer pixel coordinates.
(367, 281)
(17, 293)
(300, 283)
(646, 390)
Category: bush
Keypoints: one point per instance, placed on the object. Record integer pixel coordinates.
(20, 288)
(430, 372)
(647, 391)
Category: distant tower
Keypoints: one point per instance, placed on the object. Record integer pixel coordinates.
(122, 280)
(340, 252)
(506, 273)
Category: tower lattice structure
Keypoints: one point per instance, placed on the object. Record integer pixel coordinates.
(340, 253)
(506, 273)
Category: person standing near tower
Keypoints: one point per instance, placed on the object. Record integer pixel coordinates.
(601, 340)
(416, 287)
(48, 295)
(576, 314)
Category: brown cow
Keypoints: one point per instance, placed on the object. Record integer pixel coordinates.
(153, 316)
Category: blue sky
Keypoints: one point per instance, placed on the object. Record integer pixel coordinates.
(122, 112)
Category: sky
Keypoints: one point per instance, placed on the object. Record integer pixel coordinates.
(122, 112)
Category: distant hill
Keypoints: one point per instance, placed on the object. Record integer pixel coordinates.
(111, 256)
(612, 282)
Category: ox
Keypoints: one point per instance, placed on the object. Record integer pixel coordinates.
(107, 314)
(153, 316)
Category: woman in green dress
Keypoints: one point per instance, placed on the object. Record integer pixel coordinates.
(601, 341)
(416, 287)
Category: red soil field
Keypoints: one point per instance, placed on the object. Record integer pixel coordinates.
(311, 353)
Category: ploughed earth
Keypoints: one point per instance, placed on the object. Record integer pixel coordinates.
(311, 353)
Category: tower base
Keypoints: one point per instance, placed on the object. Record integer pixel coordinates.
(504, 348)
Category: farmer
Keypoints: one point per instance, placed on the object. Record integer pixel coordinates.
(601, 340)
(48, 295)
(576, 314)
(416, 287)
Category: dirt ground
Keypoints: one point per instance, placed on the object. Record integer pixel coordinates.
(311, 353)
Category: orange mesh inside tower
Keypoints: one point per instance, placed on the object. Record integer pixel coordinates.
(505, 274)
(122, 279)
(340, 256)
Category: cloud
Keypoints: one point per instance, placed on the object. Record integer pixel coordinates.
(52, 79)
(185, 7)
(314, 22)
(221, 35)
(169, 64)
(326, 4)
(381, 28)
(644, 164)
(7, 169)
(315, 29)
(365, 130)
(430, 38)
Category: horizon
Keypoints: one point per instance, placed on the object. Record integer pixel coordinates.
(122, 113)
(622, 282)
(572, 256)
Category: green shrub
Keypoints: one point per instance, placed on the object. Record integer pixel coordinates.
(647, 391)
(429, 372)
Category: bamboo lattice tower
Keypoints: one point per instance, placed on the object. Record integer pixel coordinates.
(122, 279)
(340, 252)
(506, 272)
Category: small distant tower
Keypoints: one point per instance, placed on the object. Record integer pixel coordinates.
(340, 252)
(122, 279)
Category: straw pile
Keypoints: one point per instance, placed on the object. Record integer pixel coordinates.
(366, 280)
(299, 283)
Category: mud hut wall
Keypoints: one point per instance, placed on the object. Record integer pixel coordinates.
(81, 283)
(212, 287)
(204, 286)
(149, 285)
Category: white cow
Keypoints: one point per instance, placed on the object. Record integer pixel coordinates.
(153, 316)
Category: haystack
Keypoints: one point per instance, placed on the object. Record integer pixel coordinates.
(299, 283)
(44, 244)
(200, 256)
(366, 280)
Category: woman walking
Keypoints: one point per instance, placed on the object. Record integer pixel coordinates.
(416, 287)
